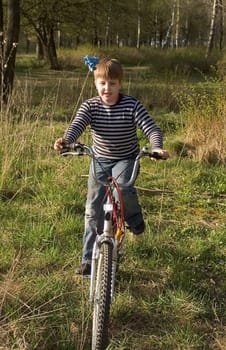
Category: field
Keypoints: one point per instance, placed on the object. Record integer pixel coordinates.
(171, 285)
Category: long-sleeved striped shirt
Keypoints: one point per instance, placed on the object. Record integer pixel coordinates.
(113, 127)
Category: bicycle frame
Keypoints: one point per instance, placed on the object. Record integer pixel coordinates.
(107, 235)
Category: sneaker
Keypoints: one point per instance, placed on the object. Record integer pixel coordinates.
(84, 270)
(138, 229)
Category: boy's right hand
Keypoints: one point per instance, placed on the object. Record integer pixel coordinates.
(59, 144)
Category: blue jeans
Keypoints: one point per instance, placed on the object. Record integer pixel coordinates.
(94, 216)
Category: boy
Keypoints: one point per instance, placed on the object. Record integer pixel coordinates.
(113, 118)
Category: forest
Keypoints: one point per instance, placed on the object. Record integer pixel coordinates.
(67, 24)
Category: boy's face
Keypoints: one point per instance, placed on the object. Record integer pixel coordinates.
(108, 90)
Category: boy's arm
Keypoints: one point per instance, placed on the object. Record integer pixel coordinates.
(79, 123)
(151, 130)
(76, 128)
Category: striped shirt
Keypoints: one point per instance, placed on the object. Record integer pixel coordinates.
(113, 127)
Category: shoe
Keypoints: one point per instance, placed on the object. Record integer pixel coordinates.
(138, 229)
(84, 270)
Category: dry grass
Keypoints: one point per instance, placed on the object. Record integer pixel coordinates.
(204, 136)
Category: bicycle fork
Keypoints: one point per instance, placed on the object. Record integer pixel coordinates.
(106, 236)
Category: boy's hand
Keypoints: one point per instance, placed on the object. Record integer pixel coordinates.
(59, 144)
(162, 152)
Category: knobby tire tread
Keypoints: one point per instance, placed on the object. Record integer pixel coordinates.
(102, 298)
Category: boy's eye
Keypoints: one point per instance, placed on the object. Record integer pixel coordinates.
(103, 83)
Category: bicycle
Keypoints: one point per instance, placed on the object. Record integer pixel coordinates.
(108, 245)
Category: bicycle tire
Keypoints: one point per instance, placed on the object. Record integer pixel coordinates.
(102, 298)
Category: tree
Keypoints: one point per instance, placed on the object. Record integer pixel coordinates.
(177, 29)
(9, 41)
(216, 32)
(43, 17)
(212, 28)
(169, 34)
(46, 17)
(138, 22)
(221, 24)
(108, 24)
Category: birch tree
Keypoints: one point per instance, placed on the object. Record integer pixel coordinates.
(109, 15)
(221, 23)
(212, 31)
(9, 41)
(138, 23)
(169, 35)
(177, 24)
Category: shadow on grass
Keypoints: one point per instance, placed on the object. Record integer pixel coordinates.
(182, 292)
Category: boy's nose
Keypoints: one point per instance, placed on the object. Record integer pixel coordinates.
(107, 86)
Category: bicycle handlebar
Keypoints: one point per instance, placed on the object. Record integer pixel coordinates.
(78, 149)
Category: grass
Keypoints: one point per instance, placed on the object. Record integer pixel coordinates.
(170, 291)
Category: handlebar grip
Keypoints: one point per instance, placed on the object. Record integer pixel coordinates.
(72, 147)
(63, 151)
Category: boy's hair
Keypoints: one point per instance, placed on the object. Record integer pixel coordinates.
(108, 68)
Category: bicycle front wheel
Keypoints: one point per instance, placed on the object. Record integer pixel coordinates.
(102, 297)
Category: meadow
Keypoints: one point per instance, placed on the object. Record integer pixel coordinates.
(171, 285)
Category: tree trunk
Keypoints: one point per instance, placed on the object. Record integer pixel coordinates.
(1, 55)
(52, 51)
(39, 49)
(221, 14)
(11, 41)
(157, 34)
(177, 24)
(1, 19)
(1, 37)
(186, 25)
(46, 40)
(169, 35)
(95, 40)
(107, 41)
(212, 29)
(138, 23)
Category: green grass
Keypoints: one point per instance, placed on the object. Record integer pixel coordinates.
(170, 290)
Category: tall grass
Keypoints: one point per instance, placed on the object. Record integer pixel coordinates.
(183, 61)
(205, 123)
(170, 291)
